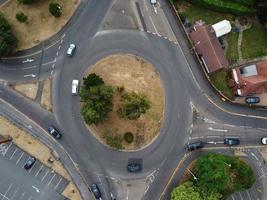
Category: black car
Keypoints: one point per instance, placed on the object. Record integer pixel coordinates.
(30, 162)
(134, 167)
(231, 141)
(195, 146)
(252, 100)
(94, 188)
(54, 132)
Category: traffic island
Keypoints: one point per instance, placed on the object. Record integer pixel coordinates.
(131, 80)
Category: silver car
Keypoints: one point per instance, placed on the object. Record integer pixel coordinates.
(71, 50)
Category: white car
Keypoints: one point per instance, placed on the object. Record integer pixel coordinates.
(71, 50)
(153, 2)
(264, 140)
(75, 87)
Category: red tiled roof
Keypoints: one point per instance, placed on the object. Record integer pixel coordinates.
(208, 46)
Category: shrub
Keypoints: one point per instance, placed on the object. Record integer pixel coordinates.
(55, 9)
(114, 141)
(92, 80)
(128, 137)
(120, 89)
(21, 17)
(26, 1)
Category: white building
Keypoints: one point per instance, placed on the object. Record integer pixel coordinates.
(221, 28)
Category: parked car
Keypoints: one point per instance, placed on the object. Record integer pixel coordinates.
(75, 87)
(134, 167)
(71, 50)
(153, 2)
(231, 141)
(30, 162)
(264, 140)
(252, 100)
(54, 132)
(195, 146)
(95, 190)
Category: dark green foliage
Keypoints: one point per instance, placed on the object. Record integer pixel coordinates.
(8, 42)
(21, 17)
(97, 102)
(114, 141)
(232, 7)
(55, 9)
(26, 1)
(128, 137)
(262, 11)
(133, 105)
(92, 80)
(185, 191)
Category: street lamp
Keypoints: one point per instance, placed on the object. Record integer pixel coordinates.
(229, 165)
(195, 178)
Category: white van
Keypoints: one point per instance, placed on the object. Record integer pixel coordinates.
(75, 87)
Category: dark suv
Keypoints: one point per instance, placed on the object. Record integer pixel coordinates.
(54, 132)
(30, 162)
(195, 146)
(231, 141)
(94, 188)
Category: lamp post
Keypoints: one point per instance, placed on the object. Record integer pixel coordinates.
(195, 178)
(229, 165)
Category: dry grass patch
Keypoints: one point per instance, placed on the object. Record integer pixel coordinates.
(41, 24)
(135, 74)
(27, 89)
(46, 100)
(71, 192)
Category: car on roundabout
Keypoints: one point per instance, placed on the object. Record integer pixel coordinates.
(195, 146)
(95, 190)
(71, 50)
(231, 141)
(54, 132)
(264, 140)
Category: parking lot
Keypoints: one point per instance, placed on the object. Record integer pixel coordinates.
(39, 171)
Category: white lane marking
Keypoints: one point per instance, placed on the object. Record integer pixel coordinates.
(213, 136)
(31, 167)
(219, 130)
(13, 195)
(58, 183)
(248, 195)
(263, 129)
(59, 47)
(230, 125)
(193, 138)
(29, 75)
(28, 60)
(39, 171)
(7, 148)
(57, 53)
(240, 195)
(207, 120)
(50, 62)
(13, 154)
(53, 66)
(51, 179)
(127, 193)
(153, 24)
(30, 67)
(20, 158)
(36, 189)
(44, 175)
(52, 72)
(254, 156)
(5, 195)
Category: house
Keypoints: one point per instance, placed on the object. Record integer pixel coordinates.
(251, 79)
(208, 48)
(222, 28)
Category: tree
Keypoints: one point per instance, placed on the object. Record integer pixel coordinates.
(92, 80)
(133, 105)
(55, 9)
(8, 42)
(21, 17)
(185, 191)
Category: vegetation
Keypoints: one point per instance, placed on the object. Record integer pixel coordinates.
(128, 137)
(92, 80)
(26, 1)
(254, 43)
(133, 105)
(232, 53)
(55, 9)
(97, 101)
(113, 140)
(219, 80)
(262, 12)
(21, 17)
(217, 177)
(8, 42)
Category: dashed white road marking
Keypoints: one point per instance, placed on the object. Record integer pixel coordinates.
(219, 130)
(31, 67)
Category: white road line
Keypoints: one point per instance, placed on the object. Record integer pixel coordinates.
(31, 168)
(20, 157)
(57, 53)
(53, 66)
(59, 47)
(248, 195)
(50, 62)
(240, 195)
(3, 196)
(233, 197)
(193, 138)
(13, 154)
(58, 183)
(213, 136)
(14, 194)
(219, 130)
(153, 24)
(51, 179)
(7, 148)
(51, 72)
(30, 67)
(229, 125)
(9, 187)
(29, 75)
(39, 171)
(45, 175)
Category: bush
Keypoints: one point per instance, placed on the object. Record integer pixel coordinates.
(55, 9)
(92, 80)
(26, 1)
(120, 89)
(128, 137)
(21, 17)
(114, 141)
(133, 105)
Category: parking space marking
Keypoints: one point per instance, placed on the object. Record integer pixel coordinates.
(39, 171)
(44, 175)
(20, 158)
(5, 195)
(51, 179)
(13, 195)
(58, 183)
(248, 195)
(240, 195)
(13, 154)
(7, 149)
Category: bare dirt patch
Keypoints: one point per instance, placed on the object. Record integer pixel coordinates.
(46, 100)
(41, 24)
(38, 150)
(135, 74)
(27, 89)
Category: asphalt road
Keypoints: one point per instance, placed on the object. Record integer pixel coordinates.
(184, 84)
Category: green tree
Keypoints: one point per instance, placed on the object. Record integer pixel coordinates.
(133, 105)
(185, 191)
(21, 17)
(55, 9)
(92, 80)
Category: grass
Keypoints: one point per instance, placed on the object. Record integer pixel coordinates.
(194, 13)
(254, 43)
(219, 79)
(232, 53)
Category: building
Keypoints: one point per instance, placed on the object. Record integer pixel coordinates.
(251, 79)
(208, 47)
(222, 28)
